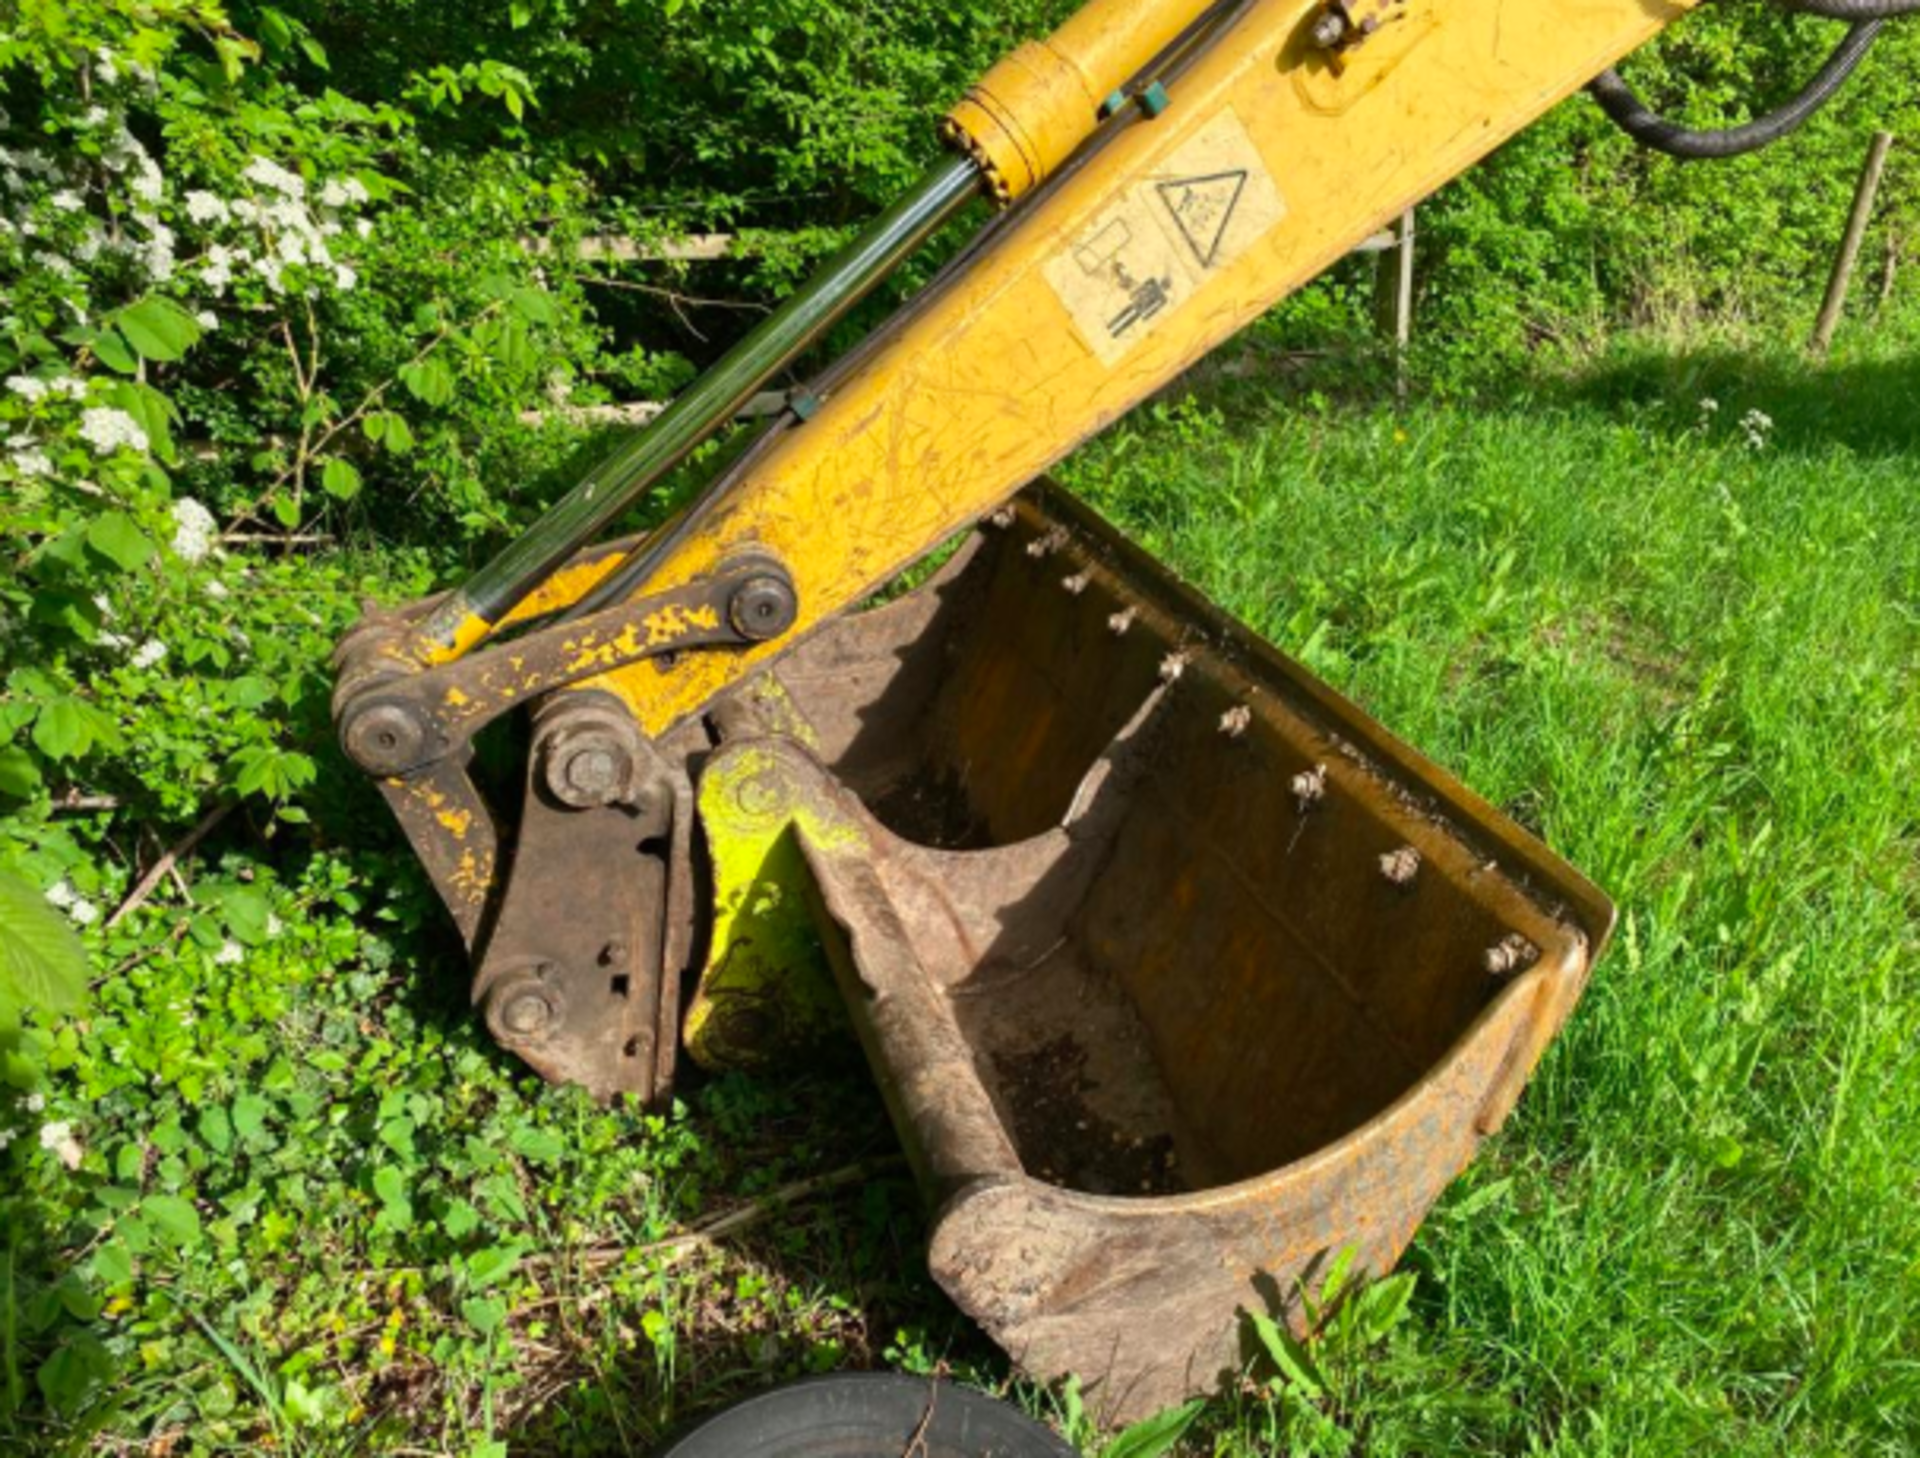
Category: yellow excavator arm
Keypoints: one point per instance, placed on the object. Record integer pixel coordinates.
(1266, 157)
(1180, 974)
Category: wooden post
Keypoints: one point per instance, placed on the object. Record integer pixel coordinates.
(1393, 296)
(1849, 255)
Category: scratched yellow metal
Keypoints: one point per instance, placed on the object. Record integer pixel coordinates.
(473, 628)
(469, 872)
(563, 588)
(454, 821)
(766, 989)
(992, 382)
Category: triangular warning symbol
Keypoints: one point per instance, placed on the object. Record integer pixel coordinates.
(1202, 207)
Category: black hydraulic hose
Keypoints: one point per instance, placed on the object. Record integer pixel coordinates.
(1647, 127)
(1854, 10)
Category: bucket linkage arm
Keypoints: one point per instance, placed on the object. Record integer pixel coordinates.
(574, 988)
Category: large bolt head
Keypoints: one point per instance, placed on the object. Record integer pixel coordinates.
(763, 607)
(585, 768)
(385, 739)
(524, 1011)
(527, 1015)
(593, 772)
(1329, 30)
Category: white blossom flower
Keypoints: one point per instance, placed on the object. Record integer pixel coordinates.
(108, 430)
(83, 912)
(58, 1138)
(124, 147)
(102, 606)
(6, 1138)
(345, 277)
(231, 954)
(363, 227)
(271, 175)
(95, 116)
(157, 255)
(274, 927)
(148, 653)
(62, 894)
(292, 248)
(67, 200)
(340, 192)
(215, 588)
(207, 320)
(27, 387)
(36, 1102)
(204, 207)
(105, 70)
(286, 212)
(218, 270)
(72, 386)
(148, 185)
(193, 530)
(1757, 425)
(269, 269)
(32, 463)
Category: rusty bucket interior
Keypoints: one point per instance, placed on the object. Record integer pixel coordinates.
(1180, 974)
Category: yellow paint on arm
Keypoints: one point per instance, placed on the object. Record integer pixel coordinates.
(997, 376)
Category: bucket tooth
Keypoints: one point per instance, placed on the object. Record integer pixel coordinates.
(1157, 1055)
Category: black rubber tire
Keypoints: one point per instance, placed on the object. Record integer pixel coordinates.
(869, 1415)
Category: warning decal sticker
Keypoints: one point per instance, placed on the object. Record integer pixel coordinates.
(1129, 271)
(1202, 207)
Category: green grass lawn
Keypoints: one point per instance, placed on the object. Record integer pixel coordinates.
(1682, 648)
(1676, 638)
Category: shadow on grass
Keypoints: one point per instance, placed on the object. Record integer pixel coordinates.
(1868, 406)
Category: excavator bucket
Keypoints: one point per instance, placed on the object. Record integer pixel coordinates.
(1180, 975)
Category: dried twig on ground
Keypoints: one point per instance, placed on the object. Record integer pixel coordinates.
(169, 858)
(746, 1216)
